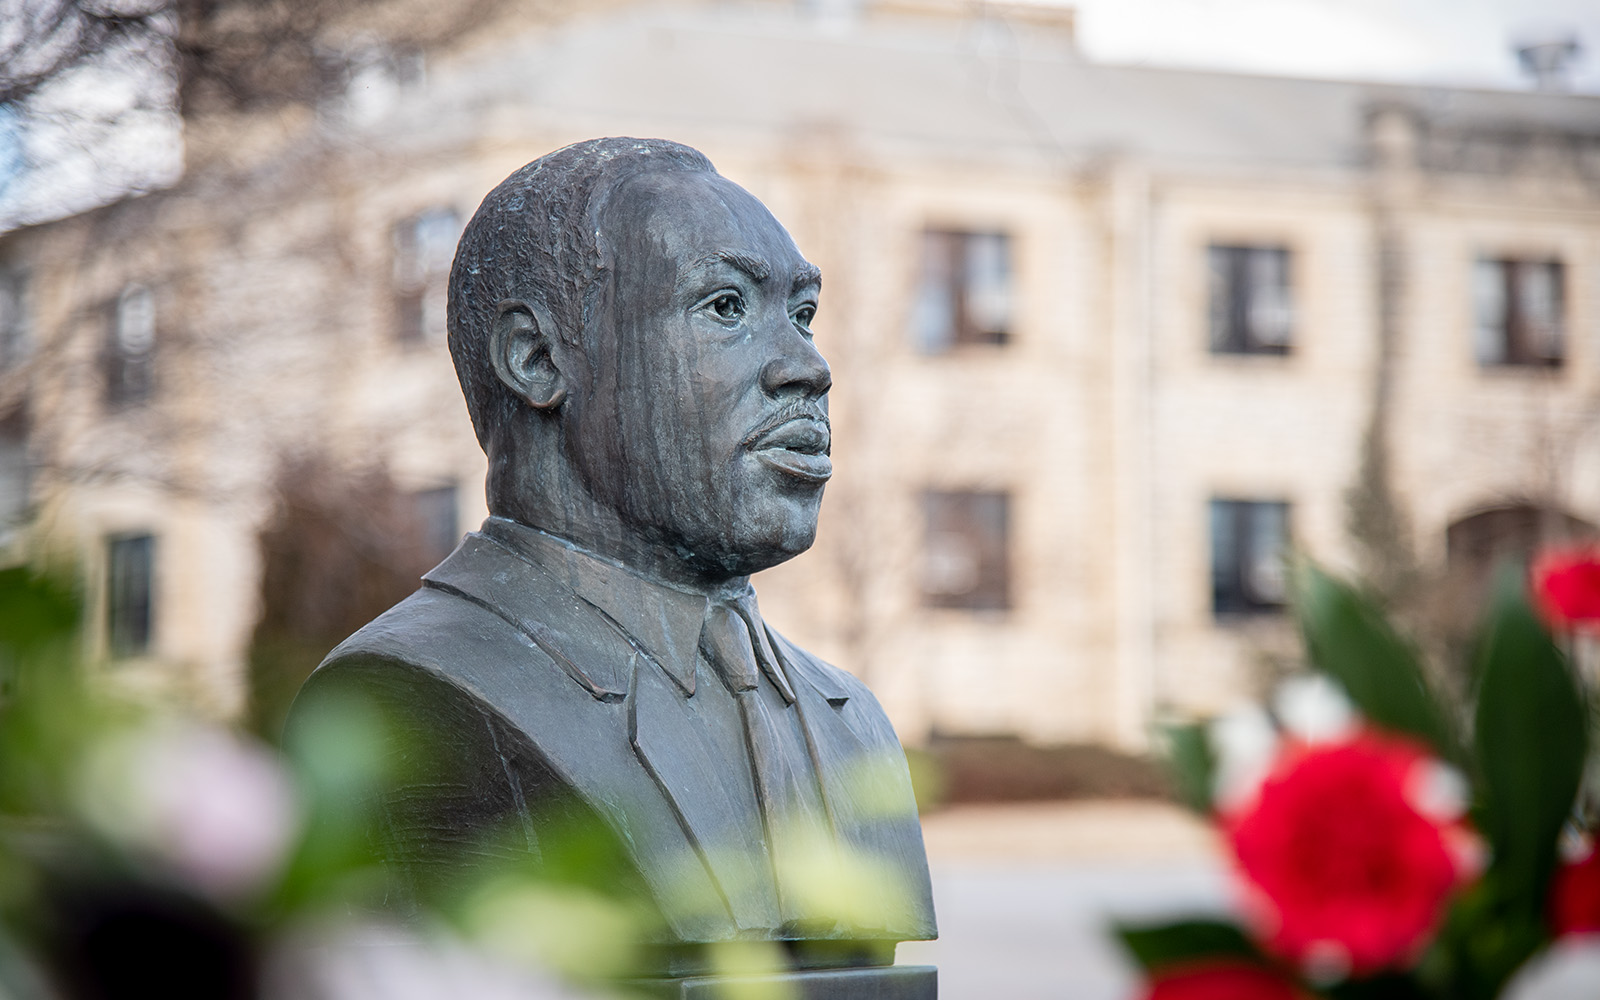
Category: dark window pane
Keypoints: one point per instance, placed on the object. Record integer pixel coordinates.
(130, 571)
(966, 562)
(1250, 307)
(1249, 540)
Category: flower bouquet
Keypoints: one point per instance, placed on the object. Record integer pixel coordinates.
(1383, 843)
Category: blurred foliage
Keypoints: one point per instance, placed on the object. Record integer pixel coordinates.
(145, 854)
(1531, 738)
(49, 38)
(340, 548)
(131, 857)
(1531, 724)
(232, 55)
(1194, 763)
(1350, 639)
(1187, 941)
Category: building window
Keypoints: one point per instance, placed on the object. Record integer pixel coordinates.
(436, 518)
(130, 563)
(1519, 306)
(424, 246)
(964, 292)
(15, 317)
(1251, 308)
(1249, 541)
(966, 563)
(130, 347)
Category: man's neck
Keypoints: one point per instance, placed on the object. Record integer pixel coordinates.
(541, 491)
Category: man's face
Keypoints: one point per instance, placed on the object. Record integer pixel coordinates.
(704, 420)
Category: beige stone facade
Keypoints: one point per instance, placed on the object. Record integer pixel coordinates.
(1106, 417)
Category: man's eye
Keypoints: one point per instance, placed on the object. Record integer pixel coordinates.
(804, 315)
(728, 306)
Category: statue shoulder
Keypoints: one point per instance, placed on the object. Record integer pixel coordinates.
(403, 659)
(427, 630)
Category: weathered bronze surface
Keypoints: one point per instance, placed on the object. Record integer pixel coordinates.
(631, 332)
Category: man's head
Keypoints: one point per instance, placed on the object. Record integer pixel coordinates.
(635, 326)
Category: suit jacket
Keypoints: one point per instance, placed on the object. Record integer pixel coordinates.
(547, 682)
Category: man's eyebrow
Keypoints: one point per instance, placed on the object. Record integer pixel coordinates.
(806, 274)
(750, 264)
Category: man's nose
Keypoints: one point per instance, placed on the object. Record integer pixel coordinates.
(797, 369)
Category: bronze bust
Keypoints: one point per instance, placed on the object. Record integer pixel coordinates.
(631, 333)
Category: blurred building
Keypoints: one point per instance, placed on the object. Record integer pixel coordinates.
(1107, 340)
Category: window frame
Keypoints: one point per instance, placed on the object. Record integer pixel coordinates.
(16, 330)
(130, 375)
(16, 472)
(142, 642)
(1236, 335)
(443, 501)
(1250, 602)
(1508, 335)
(417, 280)
(994, 588)
(960, 288)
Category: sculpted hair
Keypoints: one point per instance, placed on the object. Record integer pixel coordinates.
(536, 238)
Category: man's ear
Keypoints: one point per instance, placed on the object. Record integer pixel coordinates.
(523, 347)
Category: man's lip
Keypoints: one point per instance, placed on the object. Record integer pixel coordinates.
(797, 447)
(804, 434)
(811, 468)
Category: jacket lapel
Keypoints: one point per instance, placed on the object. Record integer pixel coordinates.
(694, 751)
(865, 785)
(622, 641)
(835, 746)
(686, 735)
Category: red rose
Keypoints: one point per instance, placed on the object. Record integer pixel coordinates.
(1350, 859)
(1575, 897)
(1220, 981)
(1566, 587)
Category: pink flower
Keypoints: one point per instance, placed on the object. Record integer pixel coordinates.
(1350, 851)
(1566, 587)
(1225, 980)
(215, 809)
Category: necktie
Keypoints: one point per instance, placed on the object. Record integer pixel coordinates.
(792, 811)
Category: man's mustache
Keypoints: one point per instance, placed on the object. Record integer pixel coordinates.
(801, 409)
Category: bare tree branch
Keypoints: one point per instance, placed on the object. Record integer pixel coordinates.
(42, 39)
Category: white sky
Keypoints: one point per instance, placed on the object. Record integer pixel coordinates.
(1463, 42)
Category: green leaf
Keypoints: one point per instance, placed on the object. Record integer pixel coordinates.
(1481, 945)
(1193, 765)
(1157, 946)
(1350, 640)
(1384, 986)
(1531, 739)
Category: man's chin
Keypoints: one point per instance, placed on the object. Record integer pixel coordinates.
(770, 534)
